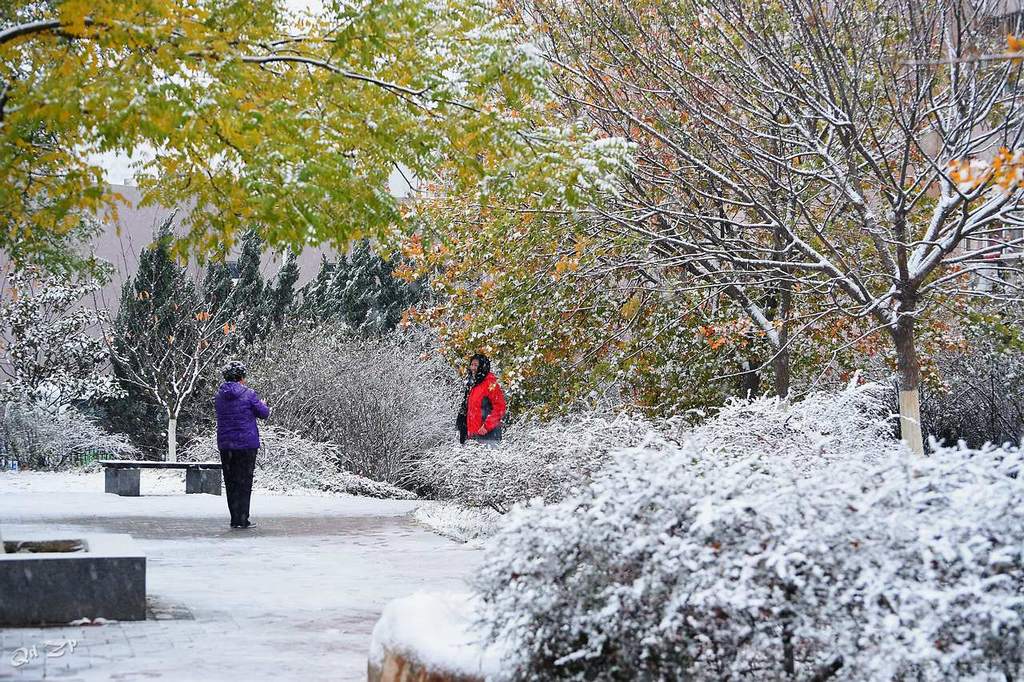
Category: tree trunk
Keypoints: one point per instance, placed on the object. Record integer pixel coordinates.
(780, 371)
(749, 380)
(172, 439)
(784, 303)
(910, 382)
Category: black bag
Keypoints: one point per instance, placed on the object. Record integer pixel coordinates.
(460, 424)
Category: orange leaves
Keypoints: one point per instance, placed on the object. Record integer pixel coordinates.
(1014, 45)
(484, 288)
(413, 247)
(202, 316)
(405, 273)
(408, 315)
(229, 328)
(711, 335)
(564, 265)
(968, 175)
(1006, 170)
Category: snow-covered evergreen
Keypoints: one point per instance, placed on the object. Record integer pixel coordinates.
(51, 352)
(359, 290)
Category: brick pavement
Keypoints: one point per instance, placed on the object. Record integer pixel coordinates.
(295, 599)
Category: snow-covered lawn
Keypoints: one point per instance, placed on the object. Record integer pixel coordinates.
(296, 598)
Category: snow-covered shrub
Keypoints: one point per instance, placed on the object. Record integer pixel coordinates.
(853, 423)
(545, 460)
(287, 462)
(430, 636)
(452, 520)
(42, 438)
(548, 460)
(980, 396)
(382, 401)
(764, 568)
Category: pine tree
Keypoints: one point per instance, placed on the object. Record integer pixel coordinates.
(218, 283)
(245, 304)
(314, 296)
(279, 297)
(361, 291)
(240, 298)
(49, 354)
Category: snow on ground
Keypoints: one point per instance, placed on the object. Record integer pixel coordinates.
(297, 598)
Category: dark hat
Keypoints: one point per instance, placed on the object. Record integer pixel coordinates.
(234, 371)
(484, 366)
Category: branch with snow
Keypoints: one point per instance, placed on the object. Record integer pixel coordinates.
(50, 349)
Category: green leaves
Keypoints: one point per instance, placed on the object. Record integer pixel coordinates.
(257, 116)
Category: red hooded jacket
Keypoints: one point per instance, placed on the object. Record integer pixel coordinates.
(486, 405)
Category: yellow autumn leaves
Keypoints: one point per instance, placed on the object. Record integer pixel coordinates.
(1005, 171)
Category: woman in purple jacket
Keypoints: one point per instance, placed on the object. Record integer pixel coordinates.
(238, 438)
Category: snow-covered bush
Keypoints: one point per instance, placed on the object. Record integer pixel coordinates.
(287, 462)
(382, 401)
(549, 460)
(42, 438)
(760, 567)
(430, 636)
(853, 423)
(545, 460)
(980, 398)
(454, 521)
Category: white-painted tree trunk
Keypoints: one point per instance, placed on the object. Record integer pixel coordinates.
(172, 439)
(910, 421)
(910, 378)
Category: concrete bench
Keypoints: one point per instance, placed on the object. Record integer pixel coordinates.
(121, 476)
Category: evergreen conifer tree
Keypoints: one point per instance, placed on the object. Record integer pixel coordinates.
(361, 291)
(314, 296)
(245, 305)
(279, 297)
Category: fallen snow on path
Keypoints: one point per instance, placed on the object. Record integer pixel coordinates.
(297, 598)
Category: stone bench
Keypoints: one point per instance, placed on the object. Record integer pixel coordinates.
(51, 581)
(122, 476)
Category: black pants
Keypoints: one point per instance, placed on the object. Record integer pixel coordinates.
(238, 466)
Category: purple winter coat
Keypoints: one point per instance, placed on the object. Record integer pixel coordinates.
(238, 407)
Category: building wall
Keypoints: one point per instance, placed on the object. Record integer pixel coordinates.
(121, 243)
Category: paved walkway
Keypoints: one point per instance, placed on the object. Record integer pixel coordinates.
(295, 599)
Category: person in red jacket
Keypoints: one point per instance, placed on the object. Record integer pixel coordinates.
(484, 403)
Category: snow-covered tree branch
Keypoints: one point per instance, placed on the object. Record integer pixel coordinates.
(790, 154)
(51, 353)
